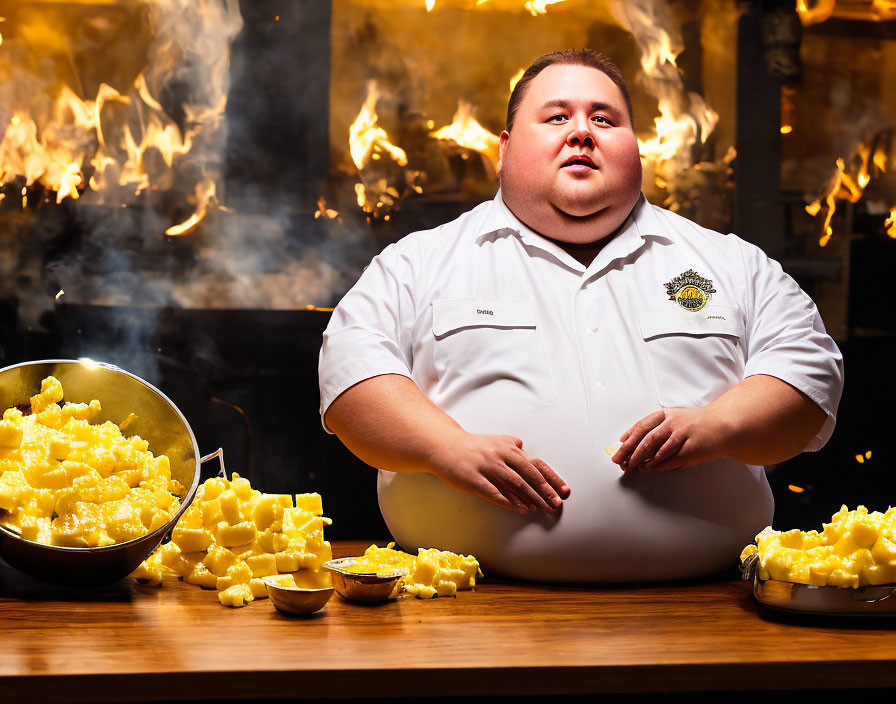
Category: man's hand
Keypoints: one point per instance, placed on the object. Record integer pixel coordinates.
(762, 420)
(389, 423)
(496, 468)
(671, 438)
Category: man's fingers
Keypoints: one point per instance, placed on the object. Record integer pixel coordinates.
(667, 457)
(647, 448)
(633, 437)
(554, 479)
(527, 483)
(505, 498)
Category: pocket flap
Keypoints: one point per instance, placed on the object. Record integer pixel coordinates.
(448, 316)
(674, 320)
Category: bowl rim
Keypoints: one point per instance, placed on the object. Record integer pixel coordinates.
(185, 501)
(284, 588)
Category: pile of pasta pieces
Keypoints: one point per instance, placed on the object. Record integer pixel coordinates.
(66, 481)
(231, 536)
(856, 549)
(427, 574)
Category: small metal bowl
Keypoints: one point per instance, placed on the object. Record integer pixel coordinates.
(295, 600)
(151, 415)
(362, 586)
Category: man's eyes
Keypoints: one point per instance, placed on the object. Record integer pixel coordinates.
(561, 118)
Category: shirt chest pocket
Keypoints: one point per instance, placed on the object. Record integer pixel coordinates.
(490, 342)
(694, 357)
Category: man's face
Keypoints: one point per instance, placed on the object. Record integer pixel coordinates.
(572, 150)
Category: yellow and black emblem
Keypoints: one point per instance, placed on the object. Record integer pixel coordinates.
(690, 290)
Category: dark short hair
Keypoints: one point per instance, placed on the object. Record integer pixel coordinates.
(569, 57)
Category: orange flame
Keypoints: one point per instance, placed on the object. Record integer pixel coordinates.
(846, 186)
(685, 120)
(323, 210)
(818, 12)
(539, 7)
(114, 139)
(204, 194)
(367, 140)
(890, 223)
(466, 132)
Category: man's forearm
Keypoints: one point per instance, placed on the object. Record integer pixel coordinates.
(389, 423)
(765, 420)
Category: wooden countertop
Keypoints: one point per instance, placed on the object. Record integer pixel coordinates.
(177, 643)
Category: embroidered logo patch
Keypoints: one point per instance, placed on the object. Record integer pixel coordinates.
(690, 290)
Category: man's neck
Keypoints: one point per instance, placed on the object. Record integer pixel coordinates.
(583, 253)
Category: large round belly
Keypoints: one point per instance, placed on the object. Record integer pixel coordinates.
(613, 527)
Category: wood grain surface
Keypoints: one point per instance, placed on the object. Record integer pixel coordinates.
(131, 642)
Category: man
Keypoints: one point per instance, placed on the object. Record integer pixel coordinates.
(484, 366)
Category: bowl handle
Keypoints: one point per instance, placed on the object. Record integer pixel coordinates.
(219, 453)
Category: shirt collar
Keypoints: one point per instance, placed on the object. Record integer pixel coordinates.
(640, 224)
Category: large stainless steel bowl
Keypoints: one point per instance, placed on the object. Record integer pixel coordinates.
(155, 418)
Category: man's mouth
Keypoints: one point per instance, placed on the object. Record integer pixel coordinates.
(580, 160)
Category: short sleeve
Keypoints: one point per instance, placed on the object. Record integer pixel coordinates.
(786, 338)
(369, 333)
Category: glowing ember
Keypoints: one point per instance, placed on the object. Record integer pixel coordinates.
(786, 129)
(323, 210)
(815, 12)
(890, 223)
(539, 7)
(466, 132)
(795, 489)
(861, 458)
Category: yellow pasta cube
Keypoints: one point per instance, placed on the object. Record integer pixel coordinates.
(239, 534)
(191, 539)
(230, 508)
(268, 510)
(310, 503)
(262, 565)
(10, 434)
(50, 393)
(256, 586)
(219, 560)
(236, 595)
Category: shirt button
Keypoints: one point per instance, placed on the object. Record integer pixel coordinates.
(599, 385)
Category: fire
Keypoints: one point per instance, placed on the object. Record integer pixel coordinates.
(204, 195)
(430, 4)
(818, 12)
(890, 223)
(323, 210)
(685, 120)
(848, 183)
(73, 143)
(367, 140)
(466, 132)
(539, 7)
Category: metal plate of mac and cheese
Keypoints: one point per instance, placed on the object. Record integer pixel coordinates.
(877, 600)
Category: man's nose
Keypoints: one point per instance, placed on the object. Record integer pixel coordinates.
(579, 134)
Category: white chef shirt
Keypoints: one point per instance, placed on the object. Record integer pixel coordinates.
(509, 334)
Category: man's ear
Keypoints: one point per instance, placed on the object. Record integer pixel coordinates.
(502, 143)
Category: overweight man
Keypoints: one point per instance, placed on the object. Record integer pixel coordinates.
(568, 382)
